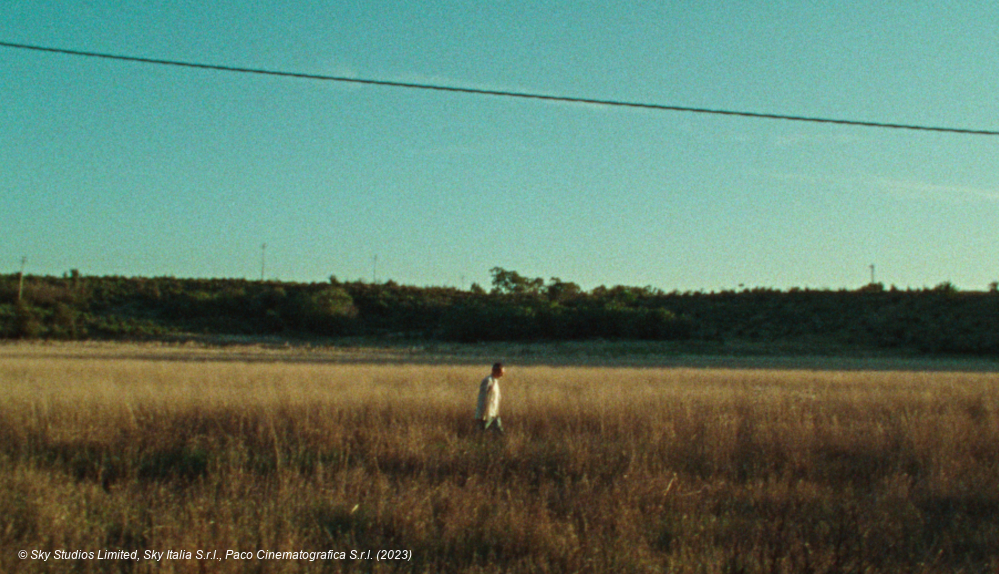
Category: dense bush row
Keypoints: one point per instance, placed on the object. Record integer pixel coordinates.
(516, 308)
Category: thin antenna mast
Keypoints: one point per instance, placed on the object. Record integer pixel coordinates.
(263, 260)
(20, 279)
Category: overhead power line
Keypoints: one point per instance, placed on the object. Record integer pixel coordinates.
(501, 93)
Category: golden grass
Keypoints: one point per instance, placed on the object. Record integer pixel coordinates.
(603, 469)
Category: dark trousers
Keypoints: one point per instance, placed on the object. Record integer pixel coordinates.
(493, 423)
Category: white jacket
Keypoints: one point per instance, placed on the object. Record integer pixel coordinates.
(489, 399)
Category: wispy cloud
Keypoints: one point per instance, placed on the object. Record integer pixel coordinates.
(913, 189)
(909, 189)
(789, 140)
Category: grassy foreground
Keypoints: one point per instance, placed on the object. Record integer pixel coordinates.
(602, 469)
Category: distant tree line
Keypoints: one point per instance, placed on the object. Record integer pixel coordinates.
(515, 308)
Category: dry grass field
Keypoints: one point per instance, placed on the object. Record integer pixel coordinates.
(603, 469)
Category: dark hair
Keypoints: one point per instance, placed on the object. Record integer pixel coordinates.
(497, 366)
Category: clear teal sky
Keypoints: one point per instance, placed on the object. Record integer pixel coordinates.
(139, 170)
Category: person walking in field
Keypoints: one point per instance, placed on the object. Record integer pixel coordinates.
(487, 408)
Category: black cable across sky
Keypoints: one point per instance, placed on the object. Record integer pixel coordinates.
(500, 93)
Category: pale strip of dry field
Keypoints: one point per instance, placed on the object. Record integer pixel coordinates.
(603, 469)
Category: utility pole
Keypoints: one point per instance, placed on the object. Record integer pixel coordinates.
(374, 269)
(20, 279)
(872, 273)
(263, 260)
